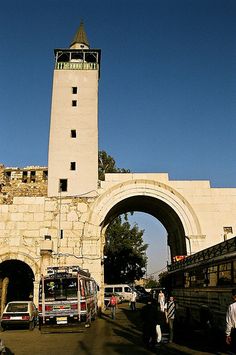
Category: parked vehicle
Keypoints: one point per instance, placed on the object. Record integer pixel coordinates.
(143, 295)
(19, 313)
(67, 295)
(202, 284)
(123, 290)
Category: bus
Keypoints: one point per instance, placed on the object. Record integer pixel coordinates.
(67, 295)
(202, 285)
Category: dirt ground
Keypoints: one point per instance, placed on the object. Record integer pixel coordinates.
(104, 337)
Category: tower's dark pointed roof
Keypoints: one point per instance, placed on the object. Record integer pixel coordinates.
(80, 36)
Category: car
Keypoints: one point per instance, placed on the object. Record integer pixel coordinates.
(142, 294)
(19, 313)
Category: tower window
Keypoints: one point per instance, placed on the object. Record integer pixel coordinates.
(63, 185)
(24, 176)
(32, 176)
(45, 174)
(74, 102)
(74, 90)
(73, 165)
(73, 133)
(8, 175)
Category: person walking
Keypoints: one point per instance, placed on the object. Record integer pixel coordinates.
(161, 300)
(230, 329)
(133, 300)
(170, 309)
(149, 319)
(160, 323)
(112, 304)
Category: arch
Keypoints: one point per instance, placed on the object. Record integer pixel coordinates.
(18, 272)
(156, 198)
(24, 256)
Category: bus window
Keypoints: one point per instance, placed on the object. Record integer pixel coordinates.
(197, 278)
(234, 272)
(82, 291)
(212, 276)
(224, 274)
(186, 280)
(118, 289)
(71, 285)
(179, 279)
(86, 288)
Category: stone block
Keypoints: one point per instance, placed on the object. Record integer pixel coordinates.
(2, 226)
(50, 206)
(38, 217)
(21, 225)
(82, 207)
(14, 241)
(28, 216)
(72, 216)
(4, 209)
(17, 217)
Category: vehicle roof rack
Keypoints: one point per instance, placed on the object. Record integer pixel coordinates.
(63, 270)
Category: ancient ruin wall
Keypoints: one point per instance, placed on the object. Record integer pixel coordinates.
(30, 181)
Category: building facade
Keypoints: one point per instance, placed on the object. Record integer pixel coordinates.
(58, 215)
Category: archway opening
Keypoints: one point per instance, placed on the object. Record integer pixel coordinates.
(19, 277)
(164, 214)
(155, 236)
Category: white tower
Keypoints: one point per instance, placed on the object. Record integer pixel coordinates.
(73, 141)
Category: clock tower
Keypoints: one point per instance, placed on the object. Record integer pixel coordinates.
(73, 140)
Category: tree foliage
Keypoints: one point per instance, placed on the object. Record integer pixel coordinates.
(152, 283)
(106, 164)
(163, 279)
(125, 252)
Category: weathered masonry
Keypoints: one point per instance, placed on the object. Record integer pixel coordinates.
(58, 215)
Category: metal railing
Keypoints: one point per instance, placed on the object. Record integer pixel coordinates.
(76, 66)
(221, 249)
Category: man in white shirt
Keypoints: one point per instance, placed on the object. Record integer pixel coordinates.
(133, 300)
(230, 329)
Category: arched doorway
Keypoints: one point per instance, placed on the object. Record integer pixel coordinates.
(17, 281)
(162, 211)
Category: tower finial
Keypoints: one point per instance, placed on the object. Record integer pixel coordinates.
(80, 39)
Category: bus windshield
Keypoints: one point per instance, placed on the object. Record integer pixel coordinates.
(60, 288)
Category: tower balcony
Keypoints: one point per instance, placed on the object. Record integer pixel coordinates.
(76, 66)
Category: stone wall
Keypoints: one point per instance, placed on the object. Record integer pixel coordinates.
(28, 181)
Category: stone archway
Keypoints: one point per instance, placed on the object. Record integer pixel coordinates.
(19, 278)
(155, 198)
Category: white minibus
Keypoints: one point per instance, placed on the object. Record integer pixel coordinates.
(123, 290)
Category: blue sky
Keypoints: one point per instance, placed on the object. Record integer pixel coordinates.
(167, 93)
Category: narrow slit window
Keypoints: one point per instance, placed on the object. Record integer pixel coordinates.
(74, 90)
(74, 103)
(8, 175)
(73, 133)
(73, 165)
(24, 176)
(32, 176)
(63, 185)
(45, 175)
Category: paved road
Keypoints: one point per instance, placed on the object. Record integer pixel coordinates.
(105, 337)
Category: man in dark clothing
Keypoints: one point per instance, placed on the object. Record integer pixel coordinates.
(150, 318)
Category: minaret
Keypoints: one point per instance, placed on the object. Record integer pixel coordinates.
(73, 141)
